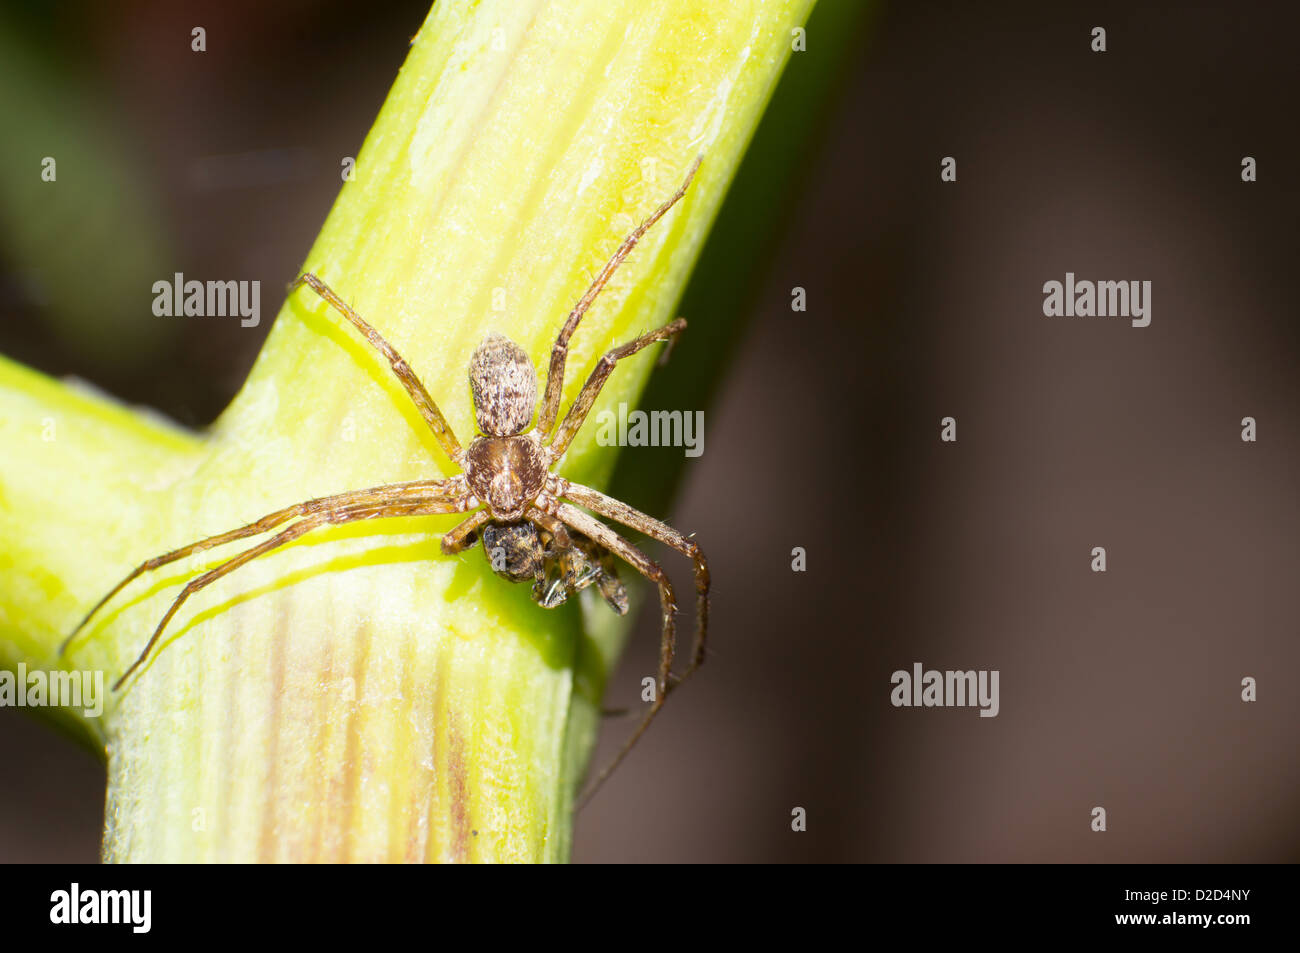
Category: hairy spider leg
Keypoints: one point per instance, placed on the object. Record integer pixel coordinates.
(452, 486)
(463, 535)
(555, 375)
(413, 505)
(620, 512)
(586, 398)
(414, 387)
(602, 534)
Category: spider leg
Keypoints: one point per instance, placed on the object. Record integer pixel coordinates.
(582, 563)
(560, 554)
(453, 486)
(607, 581)
(582, 405)
(555, 375)
(414, 387)
(602, 534)
(557, 529)
(464, 535)
(620, 512)
(417, 506)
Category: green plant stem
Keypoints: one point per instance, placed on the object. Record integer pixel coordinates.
(357, 696)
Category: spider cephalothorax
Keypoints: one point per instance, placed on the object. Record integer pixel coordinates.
(525, 513)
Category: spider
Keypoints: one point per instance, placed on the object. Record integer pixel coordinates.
(527, 516)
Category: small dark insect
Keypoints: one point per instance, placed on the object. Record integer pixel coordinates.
(521, 552)
(525, 514)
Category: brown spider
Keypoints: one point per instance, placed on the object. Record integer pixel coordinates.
(524, 513)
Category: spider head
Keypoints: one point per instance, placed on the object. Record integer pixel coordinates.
(504, 385)
(505, 495)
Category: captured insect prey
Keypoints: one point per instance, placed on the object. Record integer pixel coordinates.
(520, 552)
(527, 517)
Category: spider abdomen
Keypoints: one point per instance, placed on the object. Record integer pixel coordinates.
(504, 385)
(507, 473)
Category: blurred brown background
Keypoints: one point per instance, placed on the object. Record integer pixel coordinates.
(924, 301)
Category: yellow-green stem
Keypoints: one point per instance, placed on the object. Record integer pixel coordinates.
(358, 696)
